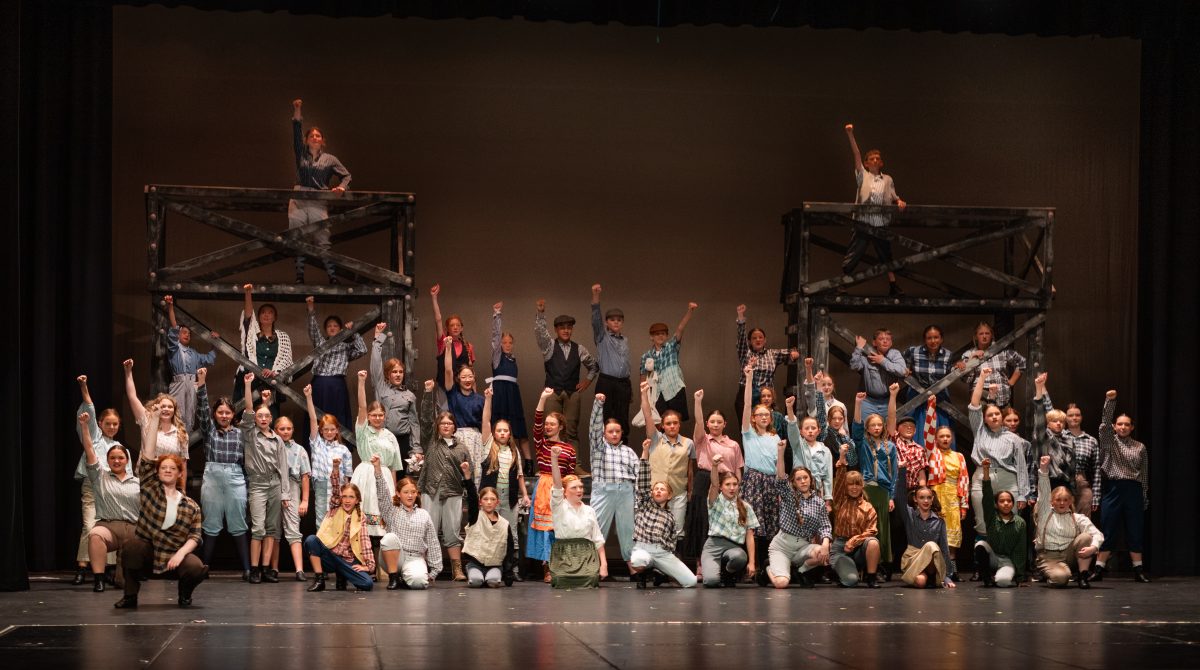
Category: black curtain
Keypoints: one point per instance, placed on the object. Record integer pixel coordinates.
(60, 262)
(1169, 288)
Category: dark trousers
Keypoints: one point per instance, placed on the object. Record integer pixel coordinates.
(331, 562)
(858, 246)
(678, 403)
(1122, 505)
(618, 393)
(138, 554)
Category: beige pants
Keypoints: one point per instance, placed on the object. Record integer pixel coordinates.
(87, 499)
(915, 561)
(1056, 565)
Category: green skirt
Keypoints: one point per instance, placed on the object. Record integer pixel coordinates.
(878, 497)
(574, 564)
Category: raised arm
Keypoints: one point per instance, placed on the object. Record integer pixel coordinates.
(687, 316)
(858, 164)
(541, 333)
(556, 476)
(701, 431)
(596, 428)
(597, 318)
(315, 426)
(647, 410)
(743, 344)
(497, 333)
(135, 405)
(714, 486)
(893, 390)
(88, 407)
(248, 302)
(170, 302)
(314, 331)
(362, 398)
(375, 364)
(747, 395)
(434, 291)
(448, 363)
(980, 383)
(85, 439)
(485, 422)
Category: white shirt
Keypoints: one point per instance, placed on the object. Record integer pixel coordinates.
(573, 523)
(173, 498)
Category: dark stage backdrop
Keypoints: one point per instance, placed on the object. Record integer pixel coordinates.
(654, 161)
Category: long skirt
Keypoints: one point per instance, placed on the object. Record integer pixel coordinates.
(947, 495)
(697, 515)
(574, 564)
(917, 559)
(878, 497)
(759, 490)
(330, 396)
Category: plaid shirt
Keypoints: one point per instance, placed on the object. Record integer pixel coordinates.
(723, 520)
(1003, 365)
(414, 528)
(153, 512)
(333, 363)
(610, 464)
(764, 362)
(1087, 452)
(666, 367)
(220, 446)
(805, 518)
(1120, 458)
(297, 459)
(912, 456)
(652, 523)
(323, 453)
(928, 369)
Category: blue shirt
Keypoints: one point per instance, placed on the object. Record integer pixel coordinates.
(185, 360)
(878, 464)
(760, 451)
(467, 409)
(613, 349)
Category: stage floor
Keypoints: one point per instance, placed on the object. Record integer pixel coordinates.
(234, 625)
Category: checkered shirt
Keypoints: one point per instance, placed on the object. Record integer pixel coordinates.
(805, 518)
(333, 363)
(1003, 365)
(415, 529)
(220, 446)
(652, 523)
(609, 464)
(666, 366)
(723, 520)
(323, 453)
(764, 362)
(153, 511)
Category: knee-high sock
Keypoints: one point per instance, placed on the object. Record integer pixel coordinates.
(243, 548)
(208, 548)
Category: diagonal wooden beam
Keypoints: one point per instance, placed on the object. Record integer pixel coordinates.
(927, 254)
(908, 273)
(334, 222)
(294, 247)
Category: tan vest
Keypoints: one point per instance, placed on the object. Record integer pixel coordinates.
(669, 463)
(486, 541)
(330, 532)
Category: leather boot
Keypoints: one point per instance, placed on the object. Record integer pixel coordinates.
(393, 581)
(456, 568)
(318, 583)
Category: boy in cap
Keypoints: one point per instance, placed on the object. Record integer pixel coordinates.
(562, 357)
(613, 350)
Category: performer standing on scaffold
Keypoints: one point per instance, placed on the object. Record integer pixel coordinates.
(314, 169)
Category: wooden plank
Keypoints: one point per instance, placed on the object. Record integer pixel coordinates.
(231, 194)
(919, 212)
(294, 247)
(915, 304)
(278, 292)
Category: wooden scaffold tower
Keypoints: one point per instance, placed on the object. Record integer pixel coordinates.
(388, 291)
(1012, 284)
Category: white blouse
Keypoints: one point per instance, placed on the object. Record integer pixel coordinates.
(571, 522)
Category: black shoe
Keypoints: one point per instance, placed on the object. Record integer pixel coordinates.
(80, 576)
(983, 562)
(393, 581)
(318, 583)
(185, 594)
(1139, 574)
(660, 579)
(639, 579)
(110, 575)
(1082, 580)
(271, 576)
(256, 575)
(98, 583)
(300, 576)
(805, 581)
(975, 576)
(517, 576)
(954, 577)
(339, 583)
(885, 574)
(1098, 573)
(826, 578)
(245, 575)
(872, 581)
(126, 603)
(730, 579)
(894, 290)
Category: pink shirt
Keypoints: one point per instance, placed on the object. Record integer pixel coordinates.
(731, 453)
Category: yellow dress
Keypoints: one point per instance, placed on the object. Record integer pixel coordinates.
(952, 495)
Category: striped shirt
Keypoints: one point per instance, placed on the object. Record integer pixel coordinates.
(153, 511)
(800, 516)
(653, 523)
(723, 520)
(323, 453)
(666, 367)
(610, 463)
(116, 499)
(220, 445)
(101, 443)
(333, 362)
(1120, 458)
